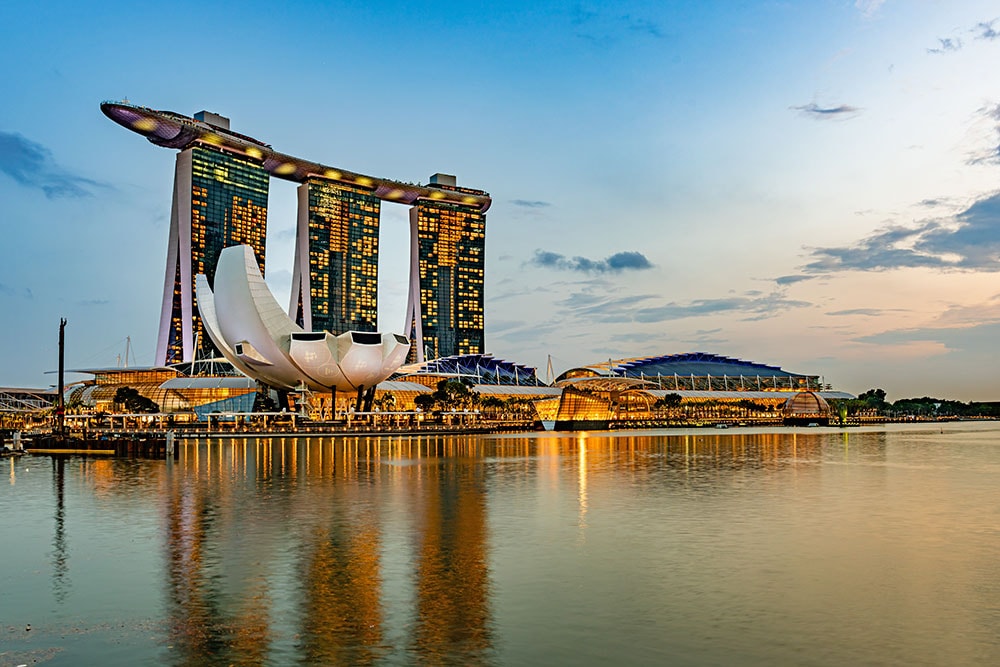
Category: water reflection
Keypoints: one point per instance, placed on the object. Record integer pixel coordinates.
(258, 525)
(60, 559)
(238, 513)
(453, 617)
(596, 454)
(697, 546)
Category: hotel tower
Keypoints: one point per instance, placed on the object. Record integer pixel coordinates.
(220, 194)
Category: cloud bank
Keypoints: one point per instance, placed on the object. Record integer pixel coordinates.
(947, 45)
(754, 307)
(602, 28)
(813, 110)
(969, 242)
(617, 263)
(984, 30)
(990, 155)
(31, 165)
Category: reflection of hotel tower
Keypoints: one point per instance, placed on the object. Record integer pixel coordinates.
(313, 513)
(452, 560)
(220, 199)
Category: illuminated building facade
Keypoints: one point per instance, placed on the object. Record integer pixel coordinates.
(335, 274)
(447, 267)
(219, 200)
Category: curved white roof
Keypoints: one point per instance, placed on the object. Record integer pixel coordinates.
(248, 326)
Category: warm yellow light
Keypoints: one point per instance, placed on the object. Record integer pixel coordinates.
(331, 173)
(255, 153)
(395, 194)
(364, 180)
(437, 195)
(213, 139)
(285, 168)
(144, 125)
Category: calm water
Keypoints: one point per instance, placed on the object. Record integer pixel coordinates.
(750, 547)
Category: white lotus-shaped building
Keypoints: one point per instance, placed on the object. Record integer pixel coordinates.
(251, 330)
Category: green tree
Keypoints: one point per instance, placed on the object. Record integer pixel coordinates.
(493, 404)
(874, 398)
(425, 402)
(132, 401)
(453, 394)
(387, 402)
(668, 401)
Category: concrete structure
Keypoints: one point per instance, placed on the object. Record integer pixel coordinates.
(220, 199)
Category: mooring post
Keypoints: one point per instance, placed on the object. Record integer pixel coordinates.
(61, 404)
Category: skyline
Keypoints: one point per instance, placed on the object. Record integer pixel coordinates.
(811, 187)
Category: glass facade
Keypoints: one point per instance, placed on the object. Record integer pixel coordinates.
(228, 207)
(451, 242)
(100, 397)
(343, 257)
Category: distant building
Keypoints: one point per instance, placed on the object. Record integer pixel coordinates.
(708, 387)
(697, 371)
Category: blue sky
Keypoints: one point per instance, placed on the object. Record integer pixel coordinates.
(813, 185)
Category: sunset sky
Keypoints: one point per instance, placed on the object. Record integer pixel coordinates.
(814, 185)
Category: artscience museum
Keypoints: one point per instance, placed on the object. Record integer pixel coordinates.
(254, 333)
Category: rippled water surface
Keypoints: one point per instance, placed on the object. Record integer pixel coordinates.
(754, 547)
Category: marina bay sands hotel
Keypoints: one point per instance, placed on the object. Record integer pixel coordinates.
(220, 199)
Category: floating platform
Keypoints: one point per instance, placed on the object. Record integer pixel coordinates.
(143, 448)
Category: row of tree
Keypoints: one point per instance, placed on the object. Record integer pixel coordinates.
(874, 401)
(458, 395)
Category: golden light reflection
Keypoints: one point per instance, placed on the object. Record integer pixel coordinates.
(236, 506)
(144, 125)
(581, 442)
(453, 582)
(285, 168)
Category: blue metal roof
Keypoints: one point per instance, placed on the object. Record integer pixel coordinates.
(481, 368)
(699, 364)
